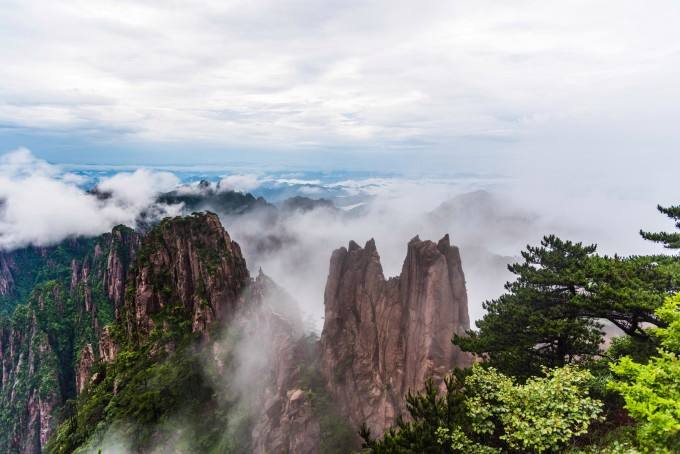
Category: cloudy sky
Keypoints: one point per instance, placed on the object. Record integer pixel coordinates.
(99, 81)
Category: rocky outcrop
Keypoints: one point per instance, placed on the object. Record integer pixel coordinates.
(382, 338)
(29, 389)
(6, 276)
(108, 349)
(85, 364)
(123, 246)
(285, 419)
(186, 264)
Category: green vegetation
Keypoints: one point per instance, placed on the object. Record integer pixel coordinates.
(552, 314)
(652, 391)
(489, 412)
(161, 391)
(536, 323)
(337, 435)
(544, 383)
(669, 240)
(44, 324)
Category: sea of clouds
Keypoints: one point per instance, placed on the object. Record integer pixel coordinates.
(492, 218)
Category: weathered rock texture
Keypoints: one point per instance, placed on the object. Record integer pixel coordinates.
(29, 388)
(49, 343)
(285, 418)
(6, 276)
(382, 338)
(87, 360)
(186, 263)
(123, 246)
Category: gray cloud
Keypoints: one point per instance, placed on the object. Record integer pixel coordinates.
(287, 74)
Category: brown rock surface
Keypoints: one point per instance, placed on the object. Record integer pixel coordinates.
(188, 264)
(23, 350)
(108, 349)
(85, 364)
(6, 276)
(382, 338)
(124, 244)
(285, 419)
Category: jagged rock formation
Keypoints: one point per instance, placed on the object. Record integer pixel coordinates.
(123, 246)
(383, 337)
(144, 311)
(186, 276)
(190, 263)
(108, 349)
(285, 418)
(6, 276)
(29, 386)
(87, 360)
(49, 342)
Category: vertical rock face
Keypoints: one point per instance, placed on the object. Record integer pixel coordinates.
(29, 388)
(383, 337)
(87, 360)
(48, 344)
(124, 244)
(188, 264)
(285, 419)
(108, 349)
(6, 277)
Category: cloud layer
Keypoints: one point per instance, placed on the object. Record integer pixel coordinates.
(438, 74)
(41, 205)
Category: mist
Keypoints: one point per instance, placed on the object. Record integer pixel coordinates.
(491, 219)
(41, 205)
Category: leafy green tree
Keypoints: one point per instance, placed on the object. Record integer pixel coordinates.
(542, 415)
(488, 412)
(669, 240)
(536, 324)
(652, 391)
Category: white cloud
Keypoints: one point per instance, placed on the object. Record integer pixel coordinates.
(296, 73)
(240, 183)
(139, 188)
(41, 205)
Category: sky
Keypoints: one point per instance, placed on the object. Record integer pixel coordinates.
(465, 84)
(566, 109)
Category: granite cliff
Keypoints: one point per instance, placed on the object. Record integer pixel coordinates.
(384, 337)
(55, 309)
(128, 331)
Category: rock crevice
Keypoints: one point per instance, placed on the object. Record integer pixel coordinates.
(384, 337)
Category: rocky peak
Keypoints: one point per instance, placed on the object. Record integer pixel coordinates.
(382, 338)
(27, 386)
(85, 364)
(189, 266)
(123, 247)
(108, 349)
(6, 276)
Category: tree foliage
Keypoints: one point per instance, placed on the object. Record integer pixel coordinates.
(541, 415)
(535, 324)
(652, 391)
(489, 412)
(551, 314)
(669, 240)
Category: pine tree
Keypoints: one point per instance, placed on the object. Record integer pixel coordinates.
(536, 323)
(669, 240)
(551, 314)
